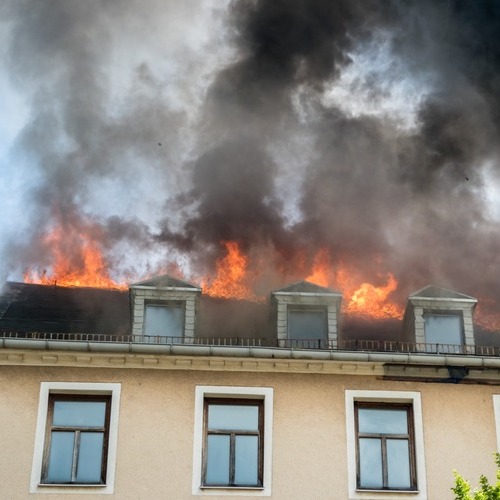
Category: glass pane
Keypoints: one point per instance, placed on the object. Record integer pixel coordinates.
(246, 460)
(217, 460)
(60, 457)
(306, 324)
(370, 463)
(79, 413)
(167, 321)
(382, 421)
(90, 457)
(398, 463)
(443, 329)
(233, 417)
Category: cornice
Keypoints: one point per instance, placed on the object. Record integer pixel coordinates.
(26, 357)
(484, 371)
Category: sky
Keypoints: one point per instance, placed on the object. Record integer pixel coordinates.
(158, 130)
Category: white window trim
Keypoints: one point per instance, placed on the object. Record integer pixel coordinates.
(385, 397)
(47, 388)
(262, 393)
(496, 411)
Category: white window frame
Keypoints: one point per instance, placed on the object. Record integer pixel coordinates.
(48, 388)
(496, 412)
(262, 393)
(414, 398)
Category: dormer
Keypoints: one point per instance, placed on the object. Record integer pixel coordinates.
(439, 320)
(164, 307)
(307, 315)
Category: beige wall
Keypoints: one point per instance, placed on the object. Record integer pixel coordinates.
(155, 444)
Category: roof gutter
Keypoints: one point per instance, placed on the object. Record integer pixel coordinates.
(423, 359)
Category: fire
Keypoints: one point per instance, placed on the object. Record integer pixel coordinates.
(321, 269)
(370, 300)
(78, 261)
(360, 297)
(231, 276)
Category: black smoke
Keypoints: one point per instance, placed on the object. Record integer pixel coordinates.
(416, 201)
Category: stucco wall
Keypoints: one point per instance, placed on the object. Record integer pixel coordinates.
(155, 442)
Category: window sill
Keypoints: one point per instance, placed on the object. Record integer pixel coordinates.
(72, 489)
(64, 485)
(203, 487)
(240, 491)
(399, 492)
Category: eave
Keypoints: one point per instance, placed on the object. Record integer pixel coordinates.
(421, 367)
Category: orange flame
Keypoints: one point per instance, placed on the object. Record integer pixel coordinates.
(360, 297)
(321, 269)
(90, 271)
(231, 276)
(370, 300)
(78, 261)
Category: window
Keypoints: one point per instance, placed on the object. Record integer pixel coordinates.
(76, 437)
(307, 326)
(443, 329)
(232, 441)
(496, 411)
(385, 445)
(164, 319)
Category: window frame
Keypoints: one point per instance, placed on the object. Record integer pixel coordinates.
(78, 430)
(496, 414)
(307, 308)
(233, 433)
(230, 395)
(52, 391)
(166, 304)
(383, 437)
(380, 398)
(444, 346)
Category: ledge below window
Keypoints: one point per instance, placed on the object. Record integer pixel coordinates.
(63, 485)
(390, 492)
(232, 488)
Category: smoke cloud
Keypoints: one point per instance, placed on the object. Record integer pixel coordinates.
(366, 128)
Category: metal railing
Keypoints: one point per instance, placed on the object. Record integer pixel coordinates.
(298, 344)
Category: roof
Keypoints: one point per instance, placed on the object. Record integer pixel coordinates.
(165, 281)
(306, 287)
(436, 292)
(55, 309)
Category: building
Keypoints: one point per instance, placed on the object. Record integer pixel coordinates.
(160, 392)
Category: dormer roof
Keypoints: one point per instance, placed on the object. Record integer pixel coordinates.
(436, 292)
(165, 282)
(308, 288)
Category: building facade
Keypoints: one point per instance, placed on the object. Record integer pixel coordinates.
(298, 413)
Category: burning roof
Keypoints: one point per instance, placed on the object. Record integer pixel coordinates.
(241, 145)
(34, 308)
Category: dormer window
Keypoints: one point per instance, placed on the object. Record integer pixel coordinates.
(307, 323)
(164, 319)
(164, 310)
(307, 316)
(439, 320)
(443, 328)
